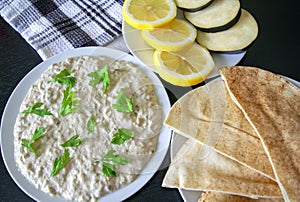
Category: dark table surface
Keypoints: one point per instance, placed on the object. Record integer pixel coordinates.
(276, 49)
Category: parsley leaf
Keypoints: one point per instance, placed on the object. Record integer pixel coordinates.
(68, 102)
(108, 168)
(27, 144)
(34, 110)
(110, 156)
(100, 76)
(64, 78)
(37, 134)
(121, 136)
(91, 124)
(72, 142)
(124, 103)
(60, 162)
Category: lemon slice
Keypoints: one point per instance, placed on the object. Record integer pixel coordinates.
(144, 14)
(173, 36)
(185, 68)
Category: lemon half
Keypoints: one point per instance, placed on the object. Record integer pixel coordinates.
(184, 68)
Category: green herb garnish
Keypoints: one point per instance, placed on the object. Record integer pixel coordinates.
(100, 76)
(37, 134)
(34, 110)
(72, 142)
(69, 102)
(64, 78)
(91, 124)
(121, 136)
(60, 162)
(108, 168)
(124, 103)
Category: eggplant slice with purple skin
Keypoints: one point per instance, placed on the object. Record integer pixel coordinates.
(233, 40)
(192, 5)
(218, 16)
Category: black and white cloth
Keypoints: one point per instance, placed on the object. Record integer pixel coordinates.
(53, 26)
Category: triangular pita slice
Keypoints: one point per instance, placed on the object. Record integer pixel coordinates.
(188, 170)
(208, 115)
(272, 106)
(221, 197)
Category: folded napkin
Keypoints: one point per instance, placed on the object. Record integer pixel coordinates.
(53, 26)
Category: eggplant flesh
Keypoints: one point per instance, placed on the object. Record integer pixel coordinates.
(233, 40)
(218, 16)
(192, 5)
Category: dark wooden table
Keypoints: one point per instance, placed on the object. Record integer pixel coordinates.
(276, 49)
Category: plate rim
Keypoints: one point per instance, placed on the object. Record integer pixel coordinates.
(31, 77)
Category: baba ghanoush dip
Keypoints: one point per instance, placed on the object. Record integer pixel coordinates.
(87, 127)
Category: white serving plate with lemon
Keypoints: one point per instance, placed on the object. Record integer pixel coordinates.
(138, 35)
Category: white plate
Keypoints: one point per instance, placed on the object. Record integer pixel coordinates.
(12, 109)
(178, 140)
(144, 53)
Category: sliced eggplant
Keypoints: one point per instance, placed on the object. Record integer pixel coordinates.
(218, 16)
(192, 5)
(235, 39)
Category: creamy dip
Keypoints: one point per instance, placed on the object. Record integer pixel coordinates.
(82, 179)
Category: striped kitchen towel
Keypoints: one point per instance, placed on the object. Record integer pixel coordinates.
(53, 26)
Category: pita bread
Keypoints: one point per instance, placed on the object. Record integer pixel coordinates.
(215, 173)
(215, 120)
(272, 106)
(220, 197)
